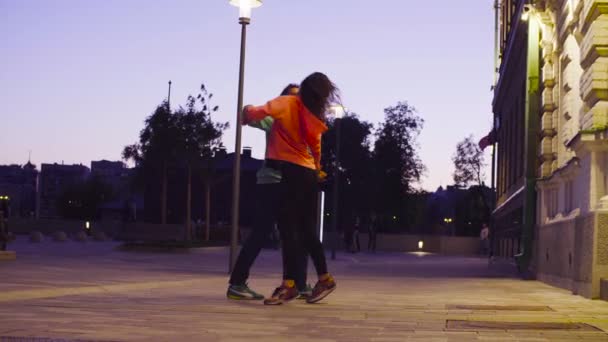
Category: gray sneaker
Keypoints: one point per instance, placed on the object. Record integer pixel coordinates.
(242, 292)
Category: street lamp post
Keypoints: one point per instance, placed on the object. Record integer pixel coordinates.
(169, 95)
(338, 111)
(245, 7)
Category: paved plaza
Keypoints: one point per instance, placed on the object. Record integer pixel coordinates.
(75, 291)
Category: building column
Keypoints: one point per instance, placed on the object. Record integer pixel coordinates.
(550, 98)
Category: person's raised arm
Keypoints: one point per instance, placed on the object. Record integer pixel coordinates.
(273, 108)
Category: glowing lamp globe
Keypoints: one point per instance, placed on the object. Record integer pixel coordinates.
(245, 7)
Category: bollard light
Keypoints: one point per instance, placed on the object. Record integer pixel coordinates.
(420, 244)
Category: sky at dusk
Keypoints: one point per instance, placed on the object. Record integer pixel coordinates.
(78, 78)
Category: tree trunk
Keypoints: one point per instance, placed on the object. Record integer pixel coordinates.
(207, 209)
(189, 205)
(163, 196)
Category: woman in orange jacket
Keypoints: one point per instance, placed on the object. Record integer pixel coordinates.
(294, 148)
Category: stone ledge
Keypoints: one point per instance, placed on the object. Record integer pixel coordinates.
(7, 255)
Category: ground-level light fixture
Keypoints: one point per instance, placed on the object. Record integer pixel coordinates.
(420, 244)
(87, 225)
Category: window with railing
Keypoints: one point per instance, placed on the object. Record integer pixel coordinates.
(508, 9)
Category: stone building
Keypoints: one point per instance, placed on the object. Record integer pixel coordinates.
(564, 189)
(54, 180)
(19, 185)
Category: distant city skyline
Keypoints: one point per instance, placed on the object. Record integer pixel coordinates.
(80, 77)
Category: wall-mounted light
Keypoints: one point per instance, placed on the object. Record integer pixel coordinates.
(526, 13)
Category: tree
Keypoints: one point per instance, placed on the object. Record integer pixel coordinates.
(200, 139)
(355, 160)
(468, 163)
(184, 139)
(157, 149)
(397, 165)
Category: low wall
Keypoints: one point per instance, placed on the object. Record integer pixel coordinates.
(448, 245)
(48, 226)
(134, 231)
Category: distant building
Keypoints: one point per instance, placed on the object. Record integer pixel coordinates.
(20, 185)
(54, 180)
(551, 114)
(125, 204)
(221, 191)
(221, 195)
(113, 173)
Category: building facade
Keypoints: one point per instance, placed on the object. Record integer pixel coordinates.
(565, 119)
(509, 107)
(54, 180)
(19, 186)
(112, 173)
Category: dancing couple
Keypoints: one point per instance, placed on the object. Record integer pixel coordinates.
(287, 190)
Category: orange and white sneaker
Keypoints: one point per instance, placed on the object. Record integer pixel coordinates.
(282, 294)
(322, 289)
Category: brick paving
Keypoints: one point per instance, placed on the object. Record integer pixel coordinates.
(93, 291)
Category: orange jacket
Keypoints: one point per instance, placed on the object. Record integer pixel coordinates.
(294, 133)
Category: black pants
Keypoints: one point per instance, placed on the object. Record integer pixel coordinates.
(356, 243)
(266, 215)
(371, 243)
(297, 221)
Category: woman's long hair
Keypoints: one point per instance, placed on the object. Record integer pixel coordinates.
(317, 92)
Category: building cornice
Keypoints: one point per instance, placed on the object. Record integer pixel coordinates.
(566, 171)
(594, 138)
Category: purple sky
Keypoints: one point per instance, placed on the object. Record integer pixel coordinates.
(78, 78)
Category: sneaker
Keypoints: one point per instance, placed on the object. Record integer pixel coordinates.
(305, 293)
(322, 289)
(282, 294)
(239, 292)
